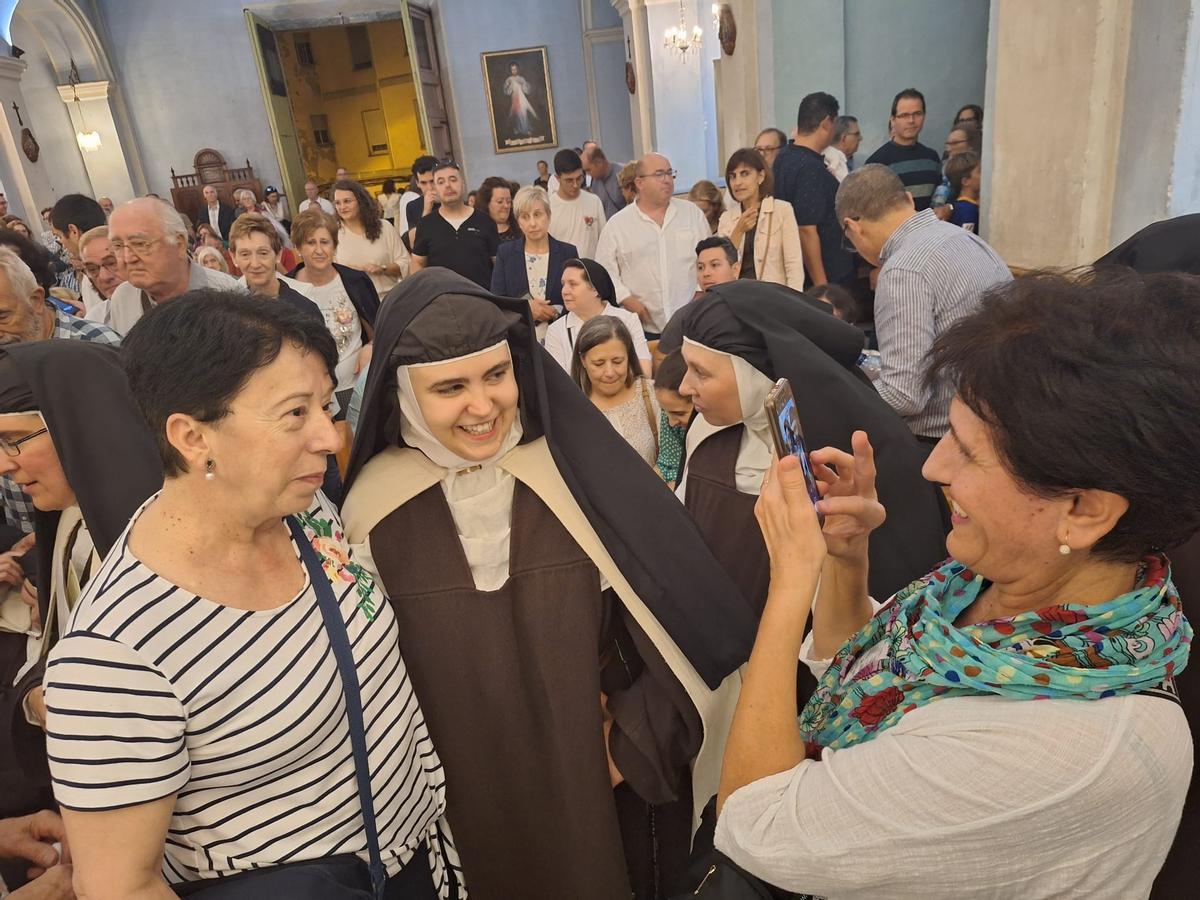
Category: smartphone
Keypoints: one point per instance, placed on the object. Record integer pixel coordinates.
(788, 435)
(64, 305)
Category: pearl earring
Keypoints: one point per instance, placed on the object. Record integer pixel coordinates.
(1062, 548)
(209, 473)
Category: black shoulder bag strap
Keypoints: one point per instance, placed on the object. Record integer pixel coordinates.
(339, 641)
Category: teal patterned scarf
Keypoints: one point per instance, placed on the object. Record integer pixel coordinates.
(915, 654)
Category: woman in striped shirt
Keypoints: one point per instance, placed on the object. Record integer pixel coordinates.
(196, 725)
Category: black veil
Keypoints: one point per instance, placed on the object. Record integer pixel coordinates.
(784, 334)
(648, 533)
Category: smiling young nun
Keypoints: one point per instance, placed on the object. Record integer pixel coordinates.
(574, 645)
(737, 340)
(87, 460)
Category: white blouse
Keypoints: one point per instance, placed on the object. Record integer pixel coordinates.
(975, 797)
(356, 251)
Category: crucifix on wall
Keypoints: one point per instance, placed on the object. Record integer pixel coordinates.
(28, 142)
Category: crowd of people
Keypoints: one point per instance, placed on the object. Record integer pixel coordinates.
(477, 567)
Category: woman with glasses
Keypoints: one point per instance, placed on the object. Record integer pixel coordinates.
(87, 461)
(762, 230)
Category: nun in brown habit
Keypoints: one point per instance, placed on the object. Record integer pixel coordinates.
(761, 332)
(574, 645)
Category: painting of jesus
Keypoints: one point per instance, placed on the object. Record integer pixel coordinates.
(520, 104)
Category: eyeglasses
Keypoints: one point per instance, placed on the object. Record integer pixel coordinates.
(765, 150)
(139, 246)
(847, 244)
(910, 115)
(13, 448)
(92, 269)
(660, 174)
(956, 143)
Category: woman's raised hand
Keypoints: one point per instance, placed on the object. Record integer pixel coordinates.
(789, 523)
(848, 499)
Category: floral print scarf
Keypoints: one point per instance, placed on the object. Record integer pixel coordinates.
(913, 653)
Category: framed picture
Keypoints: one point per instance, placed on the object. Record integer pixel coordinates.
(520, 105)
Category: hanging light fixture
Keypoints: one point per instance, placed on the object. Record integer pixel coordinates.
(680, 39)
(89, 141)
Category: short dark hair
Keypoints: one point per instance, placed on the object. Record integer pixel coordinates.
(594, 332)
(196, 353)
(34, 255)
(908, 94)
(1081, 379)
(975, 108)
(423, 165)
(844, 305)
(670, 372)
(567, 161)
(748, 156)
(79, 210)
(446, 164)
(388, 186)
(368, 209)
(718, 241)
(959, 167)
(815, 109)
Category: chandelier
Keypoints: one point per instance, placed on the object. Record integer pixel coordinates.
(680, 39)
(89, 141)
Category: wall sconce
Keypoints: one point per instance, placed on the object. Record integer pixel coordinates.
(89, 141)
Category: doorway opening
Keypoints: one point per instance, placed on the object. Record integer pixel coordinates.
(348, 95)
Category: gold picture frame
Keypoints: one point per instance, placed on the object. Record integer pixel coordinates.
(520, 100)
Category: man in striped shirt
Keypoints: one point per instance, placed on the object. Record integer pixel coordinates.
(933, 273)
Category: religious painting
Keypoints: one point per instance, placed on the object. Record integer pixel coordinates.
(520, 104)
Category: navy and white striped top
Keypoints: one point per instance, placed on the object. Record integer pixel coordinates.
(239, 714)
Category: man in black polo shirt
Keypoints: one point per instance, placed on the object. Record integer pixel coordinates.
(455, 235)
(918, 166)
(803, 180)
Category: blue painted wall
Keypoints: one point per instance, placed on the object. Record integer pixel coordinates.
(612, 100)
(188, 76)
(809, 52)
(468, 27)
(936, 46)
(865, 51)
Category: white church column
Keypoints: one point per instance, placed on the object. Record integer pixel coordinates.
(641, 102)
(106, 165)
(25, 184)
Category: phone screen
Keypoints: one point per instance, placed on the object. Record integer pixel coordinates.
(792, 439)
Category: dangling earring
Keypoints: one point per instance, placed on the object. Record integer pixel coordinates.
(209, 473)
(1062, 548)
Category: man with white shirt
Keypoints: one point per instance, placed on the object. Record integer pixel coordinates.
(839, 154)
(70, 217)
(649, 247)
(576, 216)
(215, 213)
(312, 194)
(104, 271)
(150, 236)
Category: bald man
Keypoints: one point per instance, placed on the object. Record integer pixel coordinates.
(150, 237)
(649, 247)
